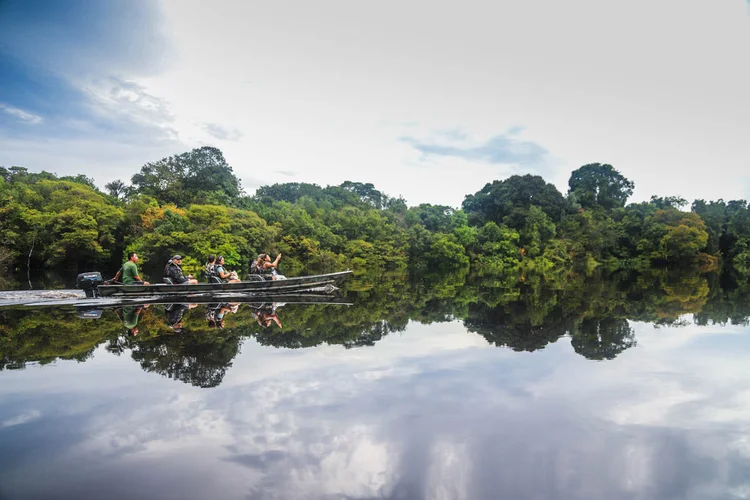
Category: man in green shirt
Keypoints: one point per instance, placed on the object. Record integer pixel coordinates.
(130, 271)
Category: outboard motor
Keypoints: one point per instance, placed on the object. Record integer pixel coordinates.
(88, 282)
(88, 313)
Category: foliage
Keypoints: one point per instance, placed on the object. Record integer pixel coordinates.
(193, 204)
(599, 185)
(198, 176)
(508, 201)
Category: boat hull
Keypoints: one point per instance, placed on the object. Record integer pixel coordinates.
(270, 287)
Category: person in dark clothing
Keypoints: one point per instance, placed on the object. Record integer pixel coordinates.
(173, 270)
(211, 266)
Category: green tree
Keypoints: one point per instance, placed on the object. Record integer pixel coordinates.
(116, 189)
(198, 176)
(508, 201)
(599, 185)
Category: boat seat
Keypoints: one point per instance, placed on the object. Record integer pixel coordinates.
(168, 281)
(255, 277)
(215, 279)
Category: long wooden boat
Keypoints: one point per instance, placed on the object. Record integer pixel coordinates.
(323, 282)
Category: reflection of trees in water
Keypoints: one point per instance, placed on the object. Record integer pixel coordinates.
(601, 339)
(594, 312)
(348, 335)
(199, 360)
(514, 326)
(44, 336)
(523, 314)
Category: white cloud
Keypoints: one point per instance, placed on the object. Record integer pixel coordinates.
(323, 94)
(655, 89)
(22, 115)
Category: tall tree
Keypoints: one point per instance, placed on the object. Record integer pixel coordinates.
(507, 201)
(198, 176)
(116, 188)
(599, 185)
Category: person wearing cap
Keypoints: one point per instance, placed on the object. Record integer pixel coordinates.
(173, 270)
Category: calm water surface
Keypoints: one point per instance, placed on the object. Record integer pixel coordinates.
(434, 392)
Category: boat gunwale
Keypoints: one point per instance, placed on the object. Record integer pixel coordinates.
(295, 283)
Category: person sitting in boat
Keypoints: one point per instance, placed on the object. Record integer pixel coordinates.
(222, 273)
(173, 271)
(130, 271)
(264, 266)
(211, 266)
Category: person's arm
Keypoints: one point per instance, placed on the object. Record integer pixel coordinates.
(273, 264)
(275, 319)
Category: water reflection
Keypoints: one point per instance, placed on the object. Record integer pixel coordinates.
(431, 408)
(524, 313)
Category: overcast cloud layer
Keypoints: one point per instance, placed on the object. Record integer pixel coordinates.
(427, 101)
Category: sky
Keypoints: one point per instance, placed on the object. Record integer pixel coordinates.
(427, 100)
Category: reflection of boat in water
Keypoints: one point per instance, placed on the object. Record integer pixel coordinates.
(95, 286)
(92, 309)
(99, 304)
(196, 347)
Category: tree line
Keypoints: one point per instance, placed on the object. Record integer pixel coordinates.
(194, 204)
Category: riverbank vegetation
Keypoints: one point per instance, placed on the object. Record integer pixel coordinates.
(193, 204)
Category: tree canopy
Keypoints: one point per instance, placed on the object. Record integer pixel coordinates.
(193, 203)
(599, 185)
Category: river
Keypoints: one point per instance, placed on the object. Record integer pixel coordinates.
(443, 388)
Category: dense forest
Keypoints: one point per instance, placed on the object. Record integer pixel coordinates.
(194, 204)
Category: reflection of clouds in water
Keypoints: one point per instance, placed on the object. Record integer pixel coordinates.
(23, 418)
(477, 438)
(406, 420)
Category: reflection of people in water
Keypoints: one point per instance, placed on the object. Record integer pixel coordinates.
(174, 314)
(266, 314)
(215, 313)
(129, 315)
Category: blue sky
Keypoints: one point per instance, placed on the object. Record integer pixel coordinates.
(70, 95)
(429, 102)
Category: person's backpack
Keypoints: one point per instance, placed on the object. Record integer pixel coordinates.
(211, 273)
